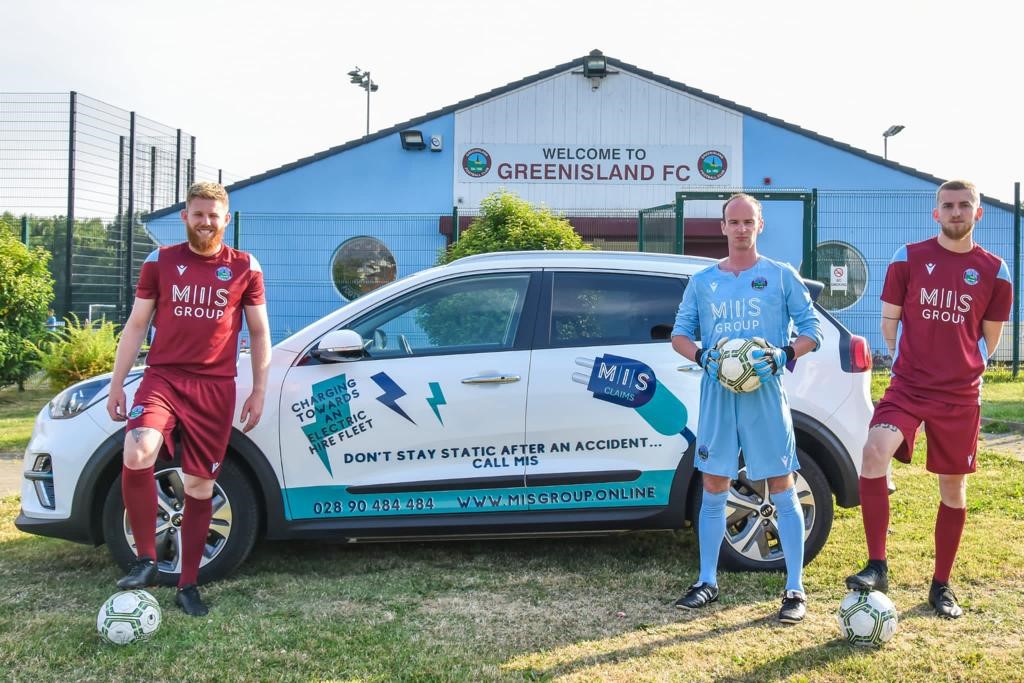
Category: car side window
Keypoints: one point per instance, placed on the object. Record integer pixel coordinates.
(471, 314)
(590, 309)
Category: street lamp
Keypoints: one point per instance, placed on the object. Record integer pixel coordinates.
(362, 78)
(889, 132)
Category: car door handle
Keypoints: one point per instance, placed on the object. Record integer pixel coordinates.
(491, 379)
(690, 367)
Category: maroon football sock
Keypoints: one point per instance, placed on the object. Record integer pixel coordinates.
(874, 508)
(195, 526)
(949, 526)
(138, 488)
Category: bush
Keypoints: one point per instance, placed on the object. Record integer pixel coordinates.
(26, 290)
(508, 223)
(78, 351)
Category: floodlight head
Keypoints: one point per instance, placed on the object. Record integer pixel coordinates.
(892, 130)
(595, 65)
(412, 139)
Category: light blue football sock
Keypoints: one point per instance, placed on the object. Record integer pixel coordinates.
(791, 534)
(711, 527)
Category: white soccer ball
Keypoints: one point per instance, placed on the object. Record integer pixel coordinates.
(128, 616)
(736, 367)
(867, 619)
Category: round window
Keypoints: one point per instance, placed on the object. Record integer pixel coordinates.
(845, 273)
(361, 265)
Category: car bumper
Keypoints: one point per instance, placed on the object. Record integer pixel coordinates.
(52, 473)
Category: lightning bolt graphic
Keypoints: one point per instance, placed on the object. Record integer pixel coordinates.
(392, 392)
(324, 389)
(436, 399)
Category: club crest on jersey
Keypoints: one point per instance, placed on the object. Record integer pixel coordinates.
(702, 452)
(930, 267)
(181, 270)
(136, 411)
(759, 283)
(971, 276)
(223, 273)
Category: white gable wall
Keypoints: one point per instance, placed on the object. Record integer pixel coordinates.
(626, 112)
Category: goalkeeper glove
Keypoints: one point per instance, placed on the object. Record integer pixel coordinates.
(708, 359)
(771, 360)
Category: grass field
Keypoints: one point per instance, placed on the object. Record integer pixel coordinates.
(594, 609)
(18, 411)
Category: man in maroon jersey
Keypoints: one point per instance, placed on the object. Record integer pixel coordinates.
(944, 303)
(194, 293)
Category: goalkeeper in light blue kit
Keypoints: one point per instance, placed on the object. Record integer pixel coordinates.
(742, 296)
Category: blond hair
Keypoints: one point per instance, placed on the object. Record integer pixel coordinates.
(205, 190)
(959, 185)
(741, 195)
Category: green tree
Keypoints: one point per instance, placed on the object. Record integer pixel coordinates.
(26, 290)
(509, 223)
(506, 223)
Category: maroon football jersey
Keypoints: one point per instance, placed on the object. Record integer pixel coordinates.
(199, 302)
(945, 296)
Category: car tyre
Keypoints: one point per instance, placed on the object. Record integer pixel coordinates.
(233, 528)
(751, 539)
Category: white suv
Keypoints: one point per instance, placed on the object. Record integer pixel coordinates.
(503, 394)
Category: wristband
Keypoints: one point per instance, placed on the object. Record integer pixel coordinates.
(790, 353)
(698, 356)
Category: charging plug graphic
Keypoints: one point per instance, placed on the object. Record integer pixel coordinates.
(630, 383)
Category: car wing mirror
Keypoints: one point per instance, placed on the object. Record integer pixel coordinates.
(338, 346)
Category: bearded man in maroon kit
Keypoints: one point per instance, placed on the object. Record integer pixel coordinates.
(195, 294)
(944, 303)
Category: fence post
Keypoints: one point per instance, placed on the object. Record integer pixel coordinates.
(640, 230)
(177, 167)
(238, 228)
(120, 222)
(24, 229)
(814, 233)
(1016, 277)
(455, 223)
(810, 254)
(129, 237)
(70, 232)
(679, 225)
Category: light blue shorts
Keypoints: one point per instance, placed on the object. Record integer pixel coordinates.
(758, 423)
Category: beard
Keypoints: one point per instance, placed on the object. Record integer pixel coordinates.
(957, 231)
(204, 243)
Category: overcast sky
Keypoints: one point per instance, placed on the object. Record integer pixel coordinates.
(262, 83)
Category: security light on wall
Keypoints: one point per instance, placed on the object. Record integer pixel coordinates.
(412, 139)
(595, 67)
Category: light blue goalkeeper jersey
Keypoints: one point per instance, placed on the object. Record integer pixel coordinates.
(768, 300)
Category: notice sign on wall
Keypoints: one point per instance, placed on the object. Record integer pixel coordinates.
(581, 164)
(838, 280)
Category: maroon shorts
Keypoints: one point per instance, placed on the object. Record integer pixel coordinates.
(951, 429)
(196, 409)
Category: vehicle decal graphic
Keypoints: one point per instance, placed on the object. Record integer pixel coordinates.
(436, 399)
(326, 417)
(314, 502)
(392, 392)
(633, 384)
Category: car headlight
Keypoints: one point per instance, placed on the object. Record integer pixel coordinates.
(78, 397)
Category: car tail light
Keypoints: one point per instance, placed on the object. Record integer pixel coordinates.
(860, 354)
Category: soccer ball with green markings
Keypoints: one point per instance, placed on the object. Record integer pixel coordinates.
(128, 616)
(736, 367)
(867, 619)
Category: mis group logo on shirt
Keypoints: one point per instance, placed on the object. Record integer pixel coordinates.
(223, 273)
